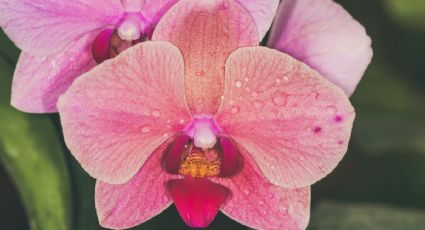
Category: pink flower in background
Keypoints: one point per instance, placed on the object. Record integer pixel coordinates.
(190, 119)
(323, 35)
(61, 40)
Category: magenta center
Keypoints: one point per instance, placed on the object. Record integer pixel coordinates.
(199, 153)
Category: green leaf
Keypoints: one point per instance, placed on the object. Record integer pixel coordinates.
(31, 154)
(346, 216)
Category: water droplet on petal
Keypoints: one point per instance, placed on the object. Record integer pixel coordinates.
(246, 191)
(246, 79)
(156, 113)
(278, 80)
(181, 121)
(254, 94)
(257, 104)
(200, 73)
(146, 129)
(314, 95)
(331, 109)
(238, 84)
(235, 109)
(280, 98)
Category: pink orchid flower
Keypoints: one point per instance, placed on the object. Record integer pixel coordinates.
(190, 119)
(63, 39)
(323, 35)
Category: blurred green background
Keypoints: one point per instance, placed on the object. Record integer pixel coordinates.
(380, 184)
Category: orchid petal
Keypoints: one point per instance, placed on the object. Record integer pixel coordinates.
(326, 37)
(263, 13)
(116, 115)
(138, 200)
(39, 81)
(152, 12)
(257, 203)
(206, 32)
(197, 200)
(294, 123)
(45, 27)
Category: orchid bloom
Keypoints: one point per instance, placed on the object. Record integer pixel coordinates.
(193, 119)
(323, 35)
(61, 40)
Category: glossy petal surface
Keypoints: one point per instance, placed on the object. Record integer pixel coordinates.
(45, 27)
(263, 13)
(326, 37)
(40, 80)
(138, 200)
(206, 32)
(197, 200)
(116, 115)
(257, 203)
(294, 123)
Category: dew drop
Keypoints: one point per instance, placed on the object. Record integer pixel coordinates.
(235, 109)
(280, 98)
(156, 113)
(181, 121)
(246, 79)
(331, 109)
(257, 104)
(254, 94)
(246, 191)
(200, 73)
(278, 80)
(238, 84)
(146, 129)
(314, 95)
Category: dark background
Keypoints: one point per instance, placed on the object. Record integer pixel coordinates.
(380, 184)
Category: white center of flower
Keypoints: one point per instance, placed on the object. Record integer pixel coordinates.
(129, 29)
(204, 137)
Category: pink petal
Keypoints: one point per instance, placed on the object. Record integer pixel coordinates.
(197, 200)
(206, 32)
(153, 10)
(45, 27)
(116, 115)
(231, 161)
(294, 123)
(326, 37)
(263, 13)
(257, 203)
(138, 200)
(39, 81)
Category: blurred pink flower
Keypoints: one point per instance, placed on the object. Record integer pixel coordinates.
(323, 35)
(61, 40)
(191, 119)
